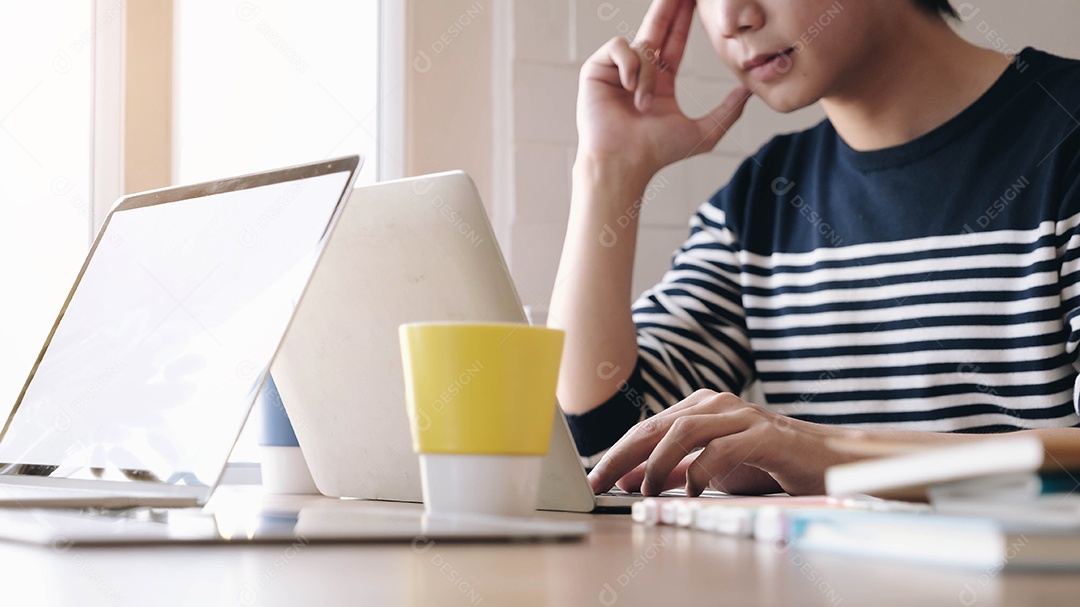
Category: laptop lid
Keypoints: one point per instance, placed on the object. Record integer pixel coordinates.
(417, 249)
(156, 357)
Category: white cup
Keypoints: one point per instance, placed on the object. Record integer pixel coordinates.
(284, 468)
(498, 485)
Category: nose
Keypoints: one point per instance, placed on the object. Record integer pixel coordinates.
(736, 17)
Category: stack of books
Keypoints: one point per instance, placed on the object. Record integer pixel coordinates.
(1005, 502)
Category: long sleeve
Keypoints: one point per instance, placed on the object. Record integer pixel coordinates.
(691, 326)
(1068, 231)
(691, 334)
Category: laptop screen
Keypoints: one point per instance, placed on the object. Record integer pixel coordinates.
(153, 366)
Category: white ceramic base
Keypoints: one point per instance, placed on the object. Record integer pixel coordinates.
(284, 470)
(499, 485)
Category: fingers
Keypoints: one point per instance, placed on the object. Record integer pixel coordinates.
(627, 60)
(686, 434)
(677, 478)
(674, 46)
(714, 125)
(712, 469)
(662, 42)
(718, 462)
(635, 73)
(640, 441)
(714, 464)
(632, 449)
(631, 482)
(647, 83)
(658, 22)
(717, 402)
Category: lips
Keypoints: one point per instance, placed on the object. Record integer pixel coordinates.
(765, 58)
(767, 67)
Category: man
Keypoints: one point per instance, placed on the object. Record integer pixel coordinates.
(906, 270)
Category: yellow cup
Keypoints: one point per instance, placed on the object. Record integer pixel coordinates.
(481, 403)
(480, 388)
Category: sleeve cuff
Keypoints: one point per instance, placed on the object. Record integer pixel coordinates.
(600, 428)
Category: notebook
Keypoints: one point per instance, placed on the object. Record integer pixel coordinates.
(979, 544)
(906, 470)
(150, 370)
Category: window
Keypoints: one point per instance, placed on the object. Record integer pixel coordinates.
(272, 83)
(254, 86)
(45, 104)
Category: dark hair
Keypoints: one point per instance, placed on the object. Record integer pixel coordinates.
(941, 7)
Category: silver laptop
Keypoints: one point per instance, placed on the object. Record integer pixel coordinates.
(152, 365)
(416, 249)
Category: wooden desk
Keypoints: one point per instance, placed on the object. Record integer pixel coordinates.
(621, 563)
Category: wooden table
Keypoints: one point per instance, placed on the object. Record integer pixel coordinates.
(620, 563)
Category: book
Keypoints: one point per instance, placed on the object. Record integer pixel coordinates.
(1006, 488)
(910, 469)
(932, 539)
(1035, 497)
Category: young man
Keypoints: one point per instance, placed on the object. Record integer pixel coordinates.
(905, 270)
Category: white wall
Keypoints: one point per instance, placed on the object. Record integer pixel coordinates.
(448, 89)
(551, 38)
(1009, 26)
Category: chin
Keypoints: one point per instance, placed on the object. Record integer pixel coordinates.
(786, 99)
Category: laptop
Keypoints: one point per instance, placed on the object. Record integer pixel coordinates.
(417, 249)
(151, 368)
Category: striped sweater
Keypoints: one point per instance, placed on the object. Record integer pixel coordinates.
(929, 286)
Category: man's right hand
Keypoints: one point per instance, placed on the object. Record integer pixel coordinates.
(626, 107)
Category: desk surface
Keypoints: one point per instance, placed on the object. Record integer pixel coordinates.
(620, 563)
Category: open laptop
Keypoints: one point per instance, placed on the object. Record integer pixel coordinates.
(151, 368)
(416, 249)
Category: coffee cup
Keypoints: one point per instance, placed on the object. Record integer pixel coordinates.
(481, 401)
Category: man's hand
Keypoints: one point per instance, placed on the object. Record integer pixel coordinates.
(718, 441)
(626, 97)
(629, 127)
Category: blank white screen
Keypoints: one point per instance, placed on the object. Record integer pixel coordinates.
(155, 363)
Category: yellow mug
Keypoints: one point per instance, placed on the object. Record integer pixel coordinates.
(480, 388)
(481, 402)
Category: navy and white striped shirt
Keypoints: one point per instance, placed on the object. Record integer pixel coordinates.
(928, 286)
